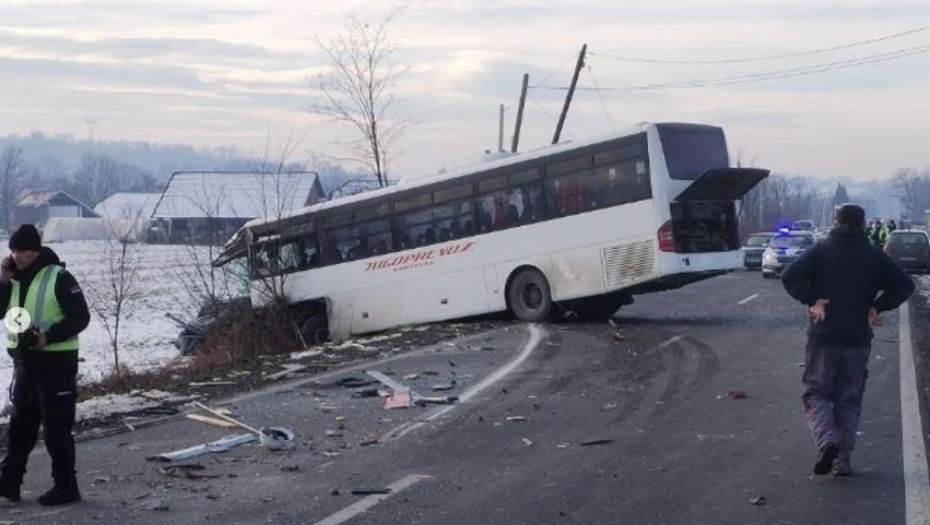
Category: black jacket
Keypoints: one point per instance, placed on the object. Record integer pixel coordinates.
(848, 271)
(67, 290)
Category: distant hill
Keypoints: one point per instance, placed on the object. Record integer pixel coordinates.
(52, 156)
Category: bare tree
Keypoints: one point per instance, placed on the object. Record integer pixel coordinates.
(113, 299)
(912, 189)
(12, 173)
(96, 178)
(356, 90)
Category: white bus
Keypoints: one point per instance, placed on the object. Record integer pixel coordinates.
(580, 226)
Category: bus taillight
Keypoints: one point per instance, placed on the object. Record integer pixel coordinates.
(667, 238)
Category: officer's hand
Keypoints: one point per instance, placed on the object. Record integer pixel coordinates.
(875, 318)
(7, 266)
(41, 341)
(819, 310)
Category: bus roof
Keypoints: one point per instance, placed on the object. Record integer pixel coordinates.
(407, 184)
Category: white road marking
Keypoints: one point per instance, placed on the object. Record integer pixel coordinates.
(748, 299)
(536, 335)
(368, 502)
(916, 478)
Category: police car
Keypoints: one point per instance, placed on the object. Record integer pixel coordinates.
(783, 249)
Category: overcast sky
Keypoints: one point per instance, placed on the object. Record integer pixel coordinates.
(234, 72)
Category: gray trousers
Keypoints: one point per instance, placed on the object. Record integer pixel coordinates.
(834, 383)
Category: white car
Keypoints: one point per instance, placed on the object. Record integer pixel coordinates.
(783, 249)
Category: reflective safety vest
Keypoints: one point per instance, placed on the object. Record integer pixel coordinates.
(43, 307)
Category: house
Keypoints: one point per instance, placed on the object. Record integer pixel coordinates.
(208, 207)
(39, 206)
(136, 207)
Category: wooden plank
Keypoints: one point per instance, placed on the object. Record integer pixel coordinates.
(210, 421)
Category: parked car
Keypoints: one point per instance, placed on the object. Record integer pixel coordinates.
(753, 247)
(910, 249)
(783, 249)
(806, 226)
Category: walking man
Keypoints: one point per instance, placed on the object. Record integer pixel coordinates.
(846, 283)
(45, 312)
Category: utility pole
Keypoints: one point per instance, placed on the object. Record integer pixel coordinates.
(571, 93)
(500, 131)
(516, 131)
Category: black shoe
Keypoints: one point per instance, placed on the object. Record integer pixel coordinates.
(824, 465)
(61, 494)
(9, 488)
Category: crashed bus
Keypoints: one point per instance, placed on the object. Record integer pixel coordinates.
(574, 226)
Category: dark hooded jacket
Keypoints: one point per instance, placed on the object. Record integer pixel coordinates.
(854, 276)
(70, 297)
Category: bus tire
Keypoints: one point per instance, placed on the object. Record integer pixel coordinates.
(529, 296)
(315, 329)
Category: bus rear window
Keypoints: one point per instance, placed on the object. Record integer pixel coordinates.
(690, 151)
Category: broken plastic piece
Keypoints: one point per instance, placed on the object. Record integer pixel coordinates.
(221, 445)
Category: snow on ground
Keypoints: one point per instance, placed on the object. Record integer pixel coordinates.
(146, 335)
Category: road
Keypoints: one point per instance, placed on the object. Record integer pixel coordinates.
(670, 446)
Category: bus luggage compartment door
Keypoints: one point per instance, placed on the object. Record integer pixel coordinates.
(725, 184)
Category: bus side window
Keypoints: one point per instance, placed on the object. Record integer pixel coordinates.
(311, 253)
(290, 257)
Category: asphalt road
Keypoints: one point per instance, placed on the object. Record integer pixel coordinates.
(667, 443)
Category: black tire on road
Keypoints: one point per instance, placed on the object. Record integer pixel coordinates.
(529, 296)
(315, 329)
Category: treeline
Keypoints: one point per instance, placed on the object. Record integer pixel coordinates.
(782, 199)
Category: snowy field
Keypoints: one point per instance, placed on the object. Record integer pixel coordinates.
(146, 335)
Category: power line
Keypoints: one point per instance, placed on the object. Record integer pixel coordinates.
(769, 57)
(600, 96)
(558, 68)
(770, 75)
(548, 114)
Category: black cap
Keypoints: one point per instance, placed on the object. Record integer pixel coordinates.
(26, 237)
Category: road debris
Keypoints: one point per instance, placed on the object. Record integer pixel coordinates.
(289, 370)
(290, 468)
(399, 399)
(563, 445)
(758, 501)
(222, 423)
(443, 387)
(365, 392)
(276, 438)
(199, 384)
(594, 442)
(226, 417)
(517, 419)
(737, 394)
(221, 445)
(187, 471)
(611, 406)
(371, 438)
(411, 377)
(354, 382)
(528, 442)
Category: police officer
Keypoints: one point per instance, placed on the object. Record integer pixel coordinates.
(45, 358)
(846, 284)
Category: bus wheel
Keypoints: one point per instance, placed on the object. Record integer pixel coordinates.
(529, 296)
(315, 330)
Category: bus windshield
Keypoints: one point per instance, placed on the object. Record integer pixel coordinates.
(691, 150)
